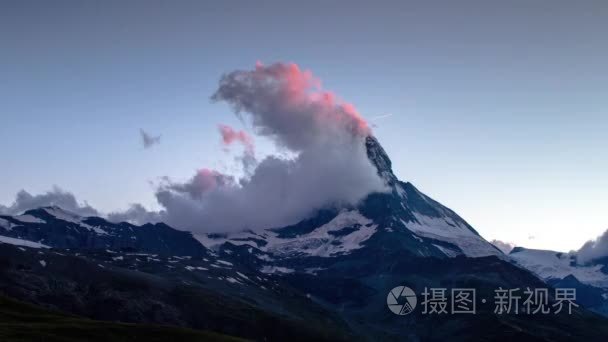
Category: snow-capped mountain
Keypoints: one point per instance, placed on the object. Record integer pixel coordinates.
(403, 217)
(550, 265)
(563, 270)
(324, 278)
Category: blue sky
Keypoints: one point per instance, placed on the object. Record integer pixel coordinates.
(497, 109)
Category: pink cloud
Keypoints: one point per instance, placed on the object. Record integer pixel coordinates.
(328, 167)
(290, 104)
(230, 136)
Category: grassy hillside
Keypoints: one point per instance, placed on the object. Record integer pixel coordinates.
(24, 322)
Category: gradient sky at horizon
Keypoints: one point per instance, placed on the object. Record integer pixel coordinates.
(496, 109)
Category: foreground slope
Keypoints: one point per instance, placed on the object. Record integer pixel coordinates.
(25, 322)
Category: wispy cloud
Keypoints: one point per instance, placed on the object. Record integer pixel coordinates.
(380, 117)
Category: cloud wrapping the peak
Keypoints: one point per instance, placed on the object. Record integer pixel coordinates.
(287, 105)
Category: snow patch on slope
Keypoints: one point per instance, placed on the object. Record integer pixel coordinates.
(212, 241)
(73, 218)
(28, 219)
(5, 224)
(319, 242)
(447, 251)
(448, 230)
(276, 269)
(63, 215)
(21, 242)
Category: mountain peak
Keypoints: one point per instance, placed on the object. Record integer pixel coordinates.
(379, 158)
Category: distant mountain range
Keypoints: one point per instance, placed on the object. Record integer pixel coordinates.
(325, 278)
(563, 270)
